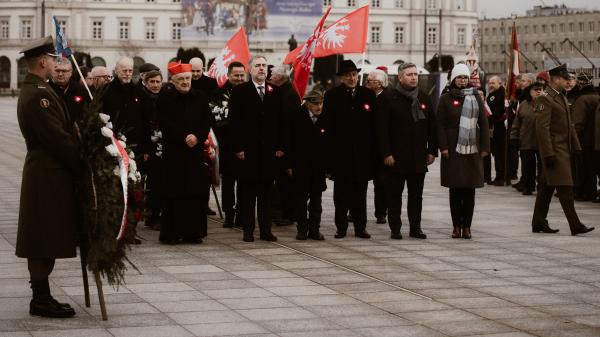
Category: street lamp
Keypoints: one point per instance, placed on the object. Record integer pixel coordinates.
(579, 51)
(549, 52)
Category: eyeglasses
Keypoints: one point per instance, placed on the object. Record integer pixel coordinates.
(373, 81)
(106, 77)
(58, 71)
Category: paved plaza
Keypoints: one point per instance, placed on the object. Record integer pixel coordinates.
(505, 282)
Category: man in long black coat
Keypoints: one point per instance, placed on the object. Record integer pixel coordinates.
(495, 101)
(200, 81)
(236, 75)
(307, 164)
(47, 213)
(259, 133)
(184, 119)
(407, 144)
(349, 110)
(69, 90)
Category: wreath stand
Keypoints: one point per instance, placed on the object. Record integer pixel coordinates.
(86, 287)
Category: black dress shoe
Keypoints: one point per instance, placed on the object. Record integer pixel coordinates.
(396, 236)
(582, 229)
(248, 237)
(456, 232)
(544, 228)
(498, 182)
(301, 236)
(381, 220)
(466, 233)
(417, 234)
(268, 237)
(316, 236)
(339, 235)
(209, 211)
(49, 307)
(193, 241)
(363, 235)
(527, 192)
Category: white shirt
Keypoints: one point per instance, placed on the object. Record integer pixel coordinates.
(264, 87)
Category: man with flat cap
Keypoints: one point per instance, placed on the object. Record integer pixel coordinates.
(349, 110)
(47, 220)
(557, 141)
(307, 164)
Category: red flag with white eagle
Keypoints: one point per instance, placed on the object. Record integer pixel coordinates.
(304, 58)
(346, 35)
(515, 66)
(236, 49)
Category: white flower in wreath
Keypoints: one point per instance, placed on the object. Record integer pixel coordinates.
(132, 166)
(106, 132)
(159, 147)
(225, 104)
(117, 171)
(123, 144)
(112, 150)
(123, 138)
(159, 154)
(131, 155)
(138, 176)
(104, 117)
(133, 177)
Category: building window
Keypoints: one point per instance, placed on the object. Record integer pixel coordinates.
(526, 29)
(493, 66)
(543, 29)
(591, 27)
(399, 3)
(461, 36)
(431, 4)
(494, 31)
(562, 47)
(124, 30)
(494, 48)
(562, 27)
(351, 3)
(486, 31)
(375, 34)
(581, 46)
(150, 1)
(460, 5)
(590, 46)
(97, 26)
(399, 34)
(26, 28)
(176, 1)
(581, 27)
(375, 3)
(326, 3)
(552, 46)
(4, 29)
(176, 30)
(571, 27)
(150, 32)
(432, 35)
(534, 29)
(485, 48)
(553, 28)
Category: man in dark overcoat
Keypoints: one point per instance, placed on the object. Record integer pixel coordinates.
(236, 75)
(259, 132)
(200, 81)
(349, 110)
(495, 100)
(69, 90)
(307, 164)
(407, 143)
(47, 213)
(184, 120)
(557, 141)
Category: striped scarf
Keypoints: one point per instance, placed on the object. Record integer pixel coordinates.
(467, 133)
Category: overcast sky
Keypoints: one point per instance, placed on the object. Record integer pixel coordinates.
(504, 8)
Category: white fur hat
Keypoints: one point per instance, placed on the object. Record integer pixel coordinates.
(458, 70)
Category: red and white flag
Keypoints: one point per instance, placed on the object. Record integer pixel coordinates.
(346, 35)
(303, 61)
(515, 66)
(236, 49)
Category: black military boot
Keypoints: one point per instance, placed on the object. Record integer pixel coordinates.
(302, 230)
(43, 304)
(543, 228)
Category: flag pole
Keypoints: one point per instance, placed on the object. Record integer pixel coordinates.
(81, 76)
(362, 65)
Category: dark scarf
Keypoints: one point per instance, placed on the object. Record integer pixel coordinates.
(413, 94)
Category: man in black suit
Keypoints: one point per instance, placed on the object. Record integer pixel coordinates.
(307, 158)
(200, 81)
(259, 131)
(236, 75)
(349, 110)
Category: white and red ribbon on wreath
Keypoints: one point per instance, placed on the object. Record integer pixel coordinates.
(123, 174)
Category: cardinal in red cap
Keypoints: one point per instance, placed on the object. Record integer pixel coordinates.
(185, 120)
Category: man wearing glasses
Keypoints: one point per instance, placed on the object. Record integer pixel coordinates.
(71, 92)
(100, 77)
(47, 222)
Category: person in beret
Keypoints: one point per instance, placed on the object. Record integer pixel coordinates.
(184, 119)
(349, 110)
(557, 142)
(306, 164)
(464, 141)
(48, 222)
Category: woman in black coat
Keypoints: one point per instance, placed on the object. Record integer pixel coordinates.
(464, 140)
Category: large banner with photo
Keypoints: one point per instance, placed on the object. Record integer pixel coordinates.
(265, 20)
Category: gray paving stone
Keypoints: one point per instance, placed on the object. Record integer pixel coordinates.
(14, 334)
(238, 293)
(345, 310)
(256, 303)
(438, 316)
(199, 317)
(150, 331)
(267, 314)
(401, 331)
(170, 296)
(72, 333)
(300, 290)
(323, 333)
(466, 328)
(410, 306)
(294, 325)
(369, 321)
(183, 306)
(225, 329)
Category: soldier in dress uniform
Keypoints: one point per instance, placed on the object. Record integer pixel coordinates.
(349, 110)
(47, 219)
(306, 162)
(557, 141)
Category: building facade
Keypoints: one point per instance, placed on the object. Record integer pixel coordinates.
(547, 36)
(150, 30)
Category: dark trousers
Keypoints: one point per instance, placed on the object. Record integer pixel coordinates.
(350, 196)
(380, 195)
(308, 194)
(586, 174)
(487, 168)
(228, 193)
(529, 164)
(285, 189)
(395, 187)
(513, 161)
(153, 195)
(462, 203)
(498, 145)
(542, 204)
(256, 195)
(40, 268)
(183, 219)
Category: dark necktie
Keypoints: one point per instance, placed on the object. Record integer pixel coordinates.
(261, 92)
